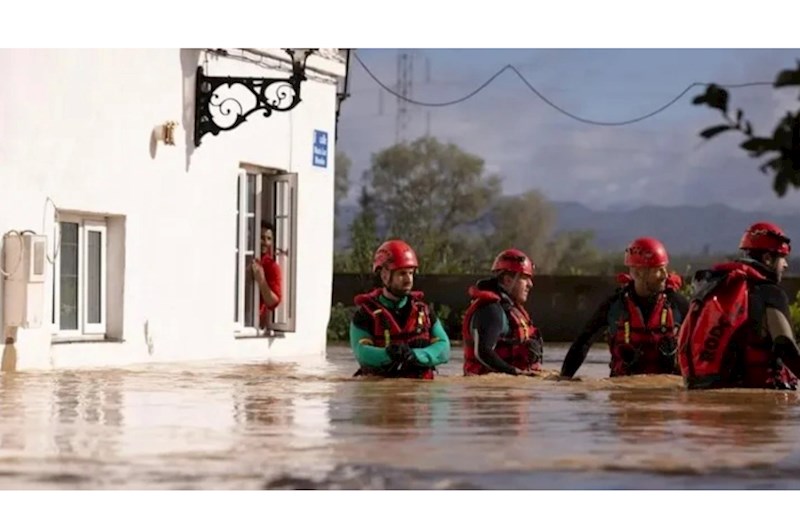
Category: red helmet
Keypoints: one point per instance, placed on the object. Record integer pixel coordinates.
(393, 255)
(513, 260)
(766, 236)
(646, 252)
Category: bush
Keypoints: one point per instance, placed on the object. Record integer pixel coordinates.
(339, 324)
(794, 311)
(451, 320)
(443, 313)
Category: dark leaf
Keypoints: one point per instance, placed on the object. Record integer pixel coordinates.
(748, 129)
(739, 114)
(715, 130)
(783, 134)
(780, 184)
(795, 127)
(794, 176)
(717, 98)
(757, 146)
(775, 165)
(700, 99)
(788, 77)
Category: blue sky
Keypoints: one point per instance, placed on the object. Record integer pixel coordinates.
(661, 160)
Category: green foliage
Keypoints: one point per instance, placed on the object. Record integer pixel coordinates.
(341, 170)
(427, 192)
(339, 323)
(574, 254)
(451, 320)
(784, 143)
(341, 188)
(440, 200)
(687, 290)
(523, 221)
(443, 312)
(794, 311)
(363, 238)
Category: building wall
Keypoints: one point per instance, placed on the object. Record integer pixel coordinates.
(76, 128)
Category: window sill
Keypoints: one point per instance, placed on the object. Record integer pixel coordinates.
(252, 334)
(60, 340)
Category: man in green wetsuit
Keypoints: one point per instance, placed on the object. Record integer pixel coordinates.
(394, 334)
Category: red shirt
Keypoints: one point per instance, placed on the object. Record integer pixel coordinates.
(272, 273)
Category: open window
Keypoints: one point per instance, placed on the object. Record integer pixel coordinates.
(265, 195)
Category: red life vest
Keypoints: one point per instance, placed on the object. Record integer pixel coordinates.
(640, 346)
(513, 347)
(416, 332)
(717, 347)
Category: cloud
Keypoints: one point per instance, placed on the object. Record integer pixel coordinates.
(659, 161)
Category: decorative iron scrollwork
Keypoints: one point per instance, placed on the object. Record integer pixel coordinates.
(223, 103)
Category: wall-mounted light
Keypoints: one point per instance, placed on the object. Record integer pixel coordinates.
(223, 103)
(165, 133)
(299, 58)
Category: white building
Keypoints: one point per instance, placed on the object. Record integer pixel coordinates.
(147, 243)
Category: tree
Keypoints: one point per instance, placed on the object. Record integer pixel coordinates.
(429, 193)
(363, 236)
(784, 144)
(574, 253)
(341, 185)
(341, 188)
(523, 221)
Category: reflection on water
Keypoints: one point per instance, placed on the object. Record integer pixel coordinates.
(283, 426)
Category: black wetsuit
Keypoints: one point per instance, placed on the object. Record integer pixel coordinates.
(599, 321)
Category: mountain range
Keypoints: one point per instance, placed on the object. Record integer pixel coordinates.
(712, 229)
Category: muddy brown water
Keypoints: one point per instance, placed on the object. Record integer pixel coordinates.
(283, 426)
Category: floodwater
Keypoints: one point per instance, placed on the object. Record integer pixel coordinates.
(278, 426)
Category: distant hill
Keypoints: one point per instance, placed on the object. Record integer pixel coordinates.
(683, 229)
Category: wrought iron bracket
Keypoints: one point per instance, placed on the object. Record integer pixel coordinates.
(223, 103)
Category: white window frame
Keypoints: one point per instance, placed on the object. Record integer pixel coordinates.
(85, 329)
(241, 326)
(266, 182)
(284, 217)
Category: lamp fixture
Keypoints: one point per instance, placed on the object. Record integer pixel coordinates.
(223, 103)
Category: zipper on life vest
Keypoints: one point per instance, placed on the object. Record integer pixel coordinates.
(522, 324)
(627, 332)
(386, 333)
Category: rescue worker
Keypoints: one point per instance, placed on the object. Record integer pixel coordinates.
(393, 332)
(738, 333)
(641, 318)
(498, 334)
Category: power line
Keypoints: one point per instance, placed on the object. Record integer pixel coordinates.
(546, 100)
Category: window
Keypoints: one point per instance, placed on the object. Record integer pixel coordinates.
(270, 195)
(82, 285)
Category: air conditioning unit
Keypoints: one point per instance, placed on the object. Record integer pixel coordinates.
(23, 291)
